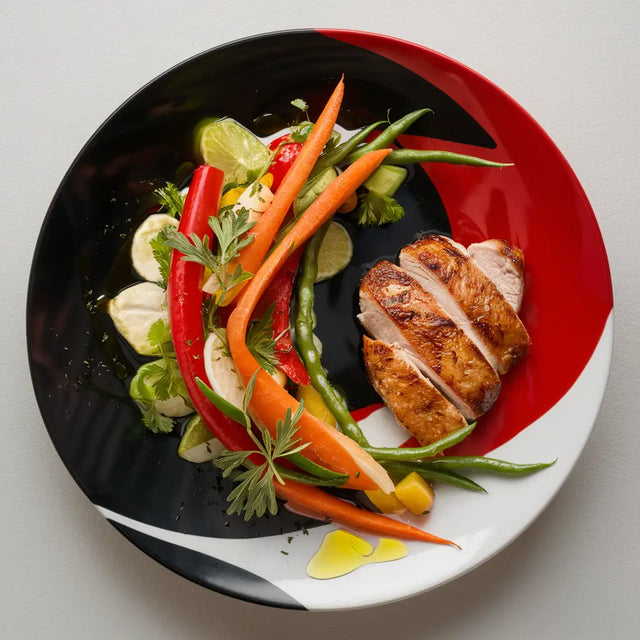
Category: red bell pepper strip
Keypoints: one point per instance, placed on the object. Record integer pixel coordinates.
(279, 293)
(284, 158)
(185, 307)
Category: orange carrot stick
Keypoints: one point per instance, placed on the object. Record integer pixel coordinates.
(269, 401)
(265, 229)
(348, 515)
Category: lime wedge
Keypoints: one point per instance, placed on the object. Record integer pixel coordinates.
(335, 252)
(197, 444)
(228, 146)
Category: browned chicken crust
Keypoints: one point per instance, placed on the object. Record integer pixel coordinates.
(396, 309)
(494, 320)
(416, 404)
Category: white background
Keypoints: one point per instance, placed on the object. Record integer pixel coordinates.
(66, 573)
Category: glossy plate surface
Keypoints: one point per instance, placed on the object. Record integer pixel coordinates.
(175, 511)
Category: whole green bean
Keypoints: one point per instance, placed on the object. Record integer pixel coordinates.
(399, 470)
(337, 155)
(304, 325)
(416, 453)
(315, 469)
(485, 464)
(304, 478)
(388, 135)
(411, 156)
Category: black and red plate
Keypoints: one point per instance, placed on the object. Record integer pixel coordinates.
(174, 510)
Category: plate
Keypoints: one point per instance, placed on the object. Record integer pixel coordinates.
(175, 511)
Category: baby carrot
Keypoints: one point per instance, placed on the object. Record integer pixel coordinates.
(265, 229)
(305, 497)
(269, 401)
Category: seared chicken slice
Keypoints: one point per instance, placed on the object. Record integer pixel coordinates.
(416, 404)
(503, 264)
(396, 309)
(444, 269)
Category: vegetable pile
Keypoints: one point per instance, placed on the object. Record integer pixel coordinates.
(235, 255)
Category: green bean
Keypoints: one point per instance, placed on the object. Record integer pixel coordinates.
(399, 470)
(388, 135)
(304, 478)
(410, 453)
(337, 155)
(315, 469)
(307, 349)
(485, 464)
(411, 156)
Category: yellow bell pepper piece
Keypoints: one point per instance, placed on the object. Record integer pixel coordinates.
(267, 180)
(386, 502)
(315, 405)
(231, 196)
(415, 493)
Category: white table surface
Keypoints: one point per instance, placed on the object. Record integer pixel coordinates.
(66, 573)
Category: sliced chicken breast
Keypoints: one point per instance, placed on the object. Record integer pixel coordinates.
(396, 309)
(463, 290)
(503, 264)
(416, 404)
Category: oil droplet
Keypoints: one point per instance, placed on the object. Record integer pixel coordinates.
(342, 552)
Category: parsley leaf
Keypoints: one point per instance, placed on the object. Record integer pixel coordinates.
(376, 209)
(171, 199)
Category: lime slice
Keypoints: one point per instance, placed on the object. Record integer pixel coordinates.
(197, 444)
(335, 252)
(228, 146)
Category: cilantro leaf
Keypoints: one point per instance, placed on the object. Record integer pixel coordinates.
(301, 132)
(171, 199)
(299, 103)
(376, 209)
(158, 380)
(155, 421)
(162, 254)
(159, 334)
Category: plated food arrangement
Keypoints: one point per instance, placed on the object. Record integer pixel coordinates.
(300, 336)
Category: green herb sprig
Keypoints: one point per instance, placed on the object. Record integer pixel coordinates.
(231, 232)
(171, 199)
(261, 342)
(255, 492)
(158, 380)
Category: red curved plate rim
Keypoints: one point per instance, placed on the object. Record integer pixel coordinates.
(519, 405)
